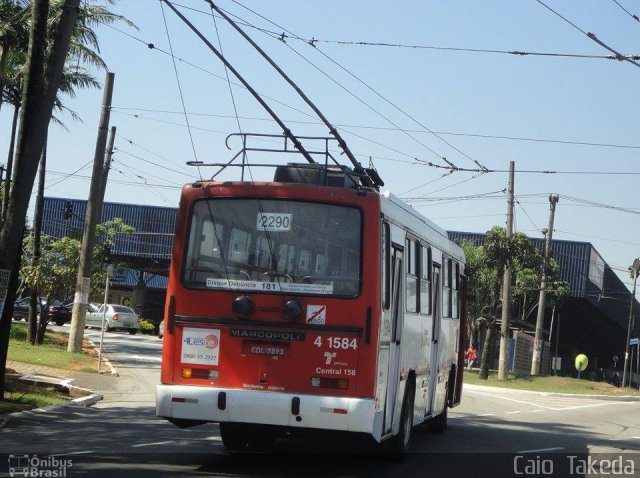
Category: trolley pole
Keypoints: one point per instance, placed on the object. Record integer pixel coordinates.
(506, 287)
(633, 270)
(538, 341)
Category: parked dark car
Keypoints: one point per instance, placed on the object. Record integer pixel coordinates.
(21, 308)
(60, 314)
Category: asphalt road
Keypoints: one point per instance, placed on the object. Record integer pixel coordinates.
(121, 436)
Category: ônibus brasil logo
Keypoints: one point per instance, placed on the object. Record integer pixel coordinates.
(210, 341)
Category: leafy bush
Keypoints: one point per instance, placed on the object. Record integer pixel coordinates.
(147, 327)
(18, 332)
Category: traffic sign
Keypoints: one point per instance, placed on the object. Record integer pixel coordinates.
(581, 362)
(633, 341)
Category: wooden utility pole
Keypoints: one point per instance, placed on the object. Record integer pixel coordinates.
(538, 340)
(94, 205)
(506, 286)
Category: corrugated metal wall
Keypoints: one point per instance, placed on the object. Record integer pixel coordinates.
(572, 257)
(154, 225)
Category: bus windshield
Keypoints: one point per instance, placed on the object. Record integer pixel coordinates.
(266, 245)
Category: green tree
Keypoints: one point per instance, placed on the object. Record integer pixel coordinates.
(484, 268)
(54, 275)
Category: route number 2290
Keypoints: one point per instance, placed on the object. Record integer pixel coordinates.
(337, 342)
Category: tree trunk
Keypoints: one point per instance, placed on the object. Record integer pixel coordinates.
(38, 97)
(5, 323)
(9, 171)
(486, 352)
(38, 318)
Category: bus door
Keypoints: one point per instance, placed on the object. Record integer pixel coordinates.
(435, 335)
(397, 314)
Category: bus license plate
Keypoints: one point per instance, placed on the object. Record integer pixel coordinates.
(278, 349)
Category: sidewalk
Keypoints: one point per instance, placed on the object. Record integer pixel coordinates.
(103, 383)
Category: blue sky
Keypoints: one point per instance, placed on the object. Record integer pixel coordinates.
(456, 93)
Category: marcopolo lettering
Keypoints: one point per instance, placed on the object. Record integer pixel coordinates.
(266, 334)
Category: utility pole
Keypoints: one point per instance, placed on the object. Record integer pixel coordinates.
(94, 205)
(506, 286)
(633, 270)
(538, 341)
(106, 166)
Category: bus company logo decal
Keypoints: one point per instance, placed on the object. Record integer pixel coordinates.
(200, 346)
(266, 334)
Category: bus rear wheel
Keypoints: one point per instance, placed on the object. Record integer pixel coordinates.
(398, 446)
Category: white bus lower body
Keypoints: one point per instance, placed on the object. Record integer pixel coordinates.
(206, 404)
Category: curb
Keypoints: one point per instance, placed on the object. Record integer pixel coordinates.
(113, 370)
(613, 398)
(79, 402)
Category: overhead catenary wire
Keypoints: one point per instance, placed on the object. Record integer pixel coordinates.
(516, 53)
(175, 69)
(384, 128)
(619, 56)
(635, 17)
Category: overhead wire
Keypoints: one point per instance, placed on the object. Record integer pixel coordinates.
(635, 17)
(592, 36)
(384, 128)
(367, 85)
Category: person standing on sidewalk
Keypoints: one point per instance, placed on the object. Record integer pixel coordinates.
(471, 355)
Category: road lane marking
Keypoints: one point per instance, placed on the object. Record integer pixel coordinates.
(487, 415)
(513, 413)
(538, 405)
(139, 445)
(541, 450)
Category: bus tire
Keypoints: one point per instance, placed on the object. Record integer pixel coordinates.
(399, 445)
(261, 440)
(233, 436)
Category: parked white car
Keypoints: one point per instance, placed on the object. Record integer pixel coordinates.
(161, 329)
(117, 317)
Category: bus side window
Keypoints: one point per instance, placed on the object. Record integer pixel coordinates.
(411, 251)
(425, 280)
(386, 265)
(455, 285)
(446, 288)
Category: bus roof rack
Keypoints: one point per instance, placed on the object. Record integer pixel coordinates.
(328, 172)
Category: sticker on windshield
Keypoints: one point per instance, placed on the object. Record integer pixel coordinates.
(200, 346)
(274, 222)
(259, 286)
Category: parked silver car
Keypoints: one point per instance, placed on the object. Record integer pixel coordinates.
(161, 329)
(117, 317)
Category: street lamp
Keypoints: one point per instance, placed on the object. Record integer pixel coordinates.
(633, 270)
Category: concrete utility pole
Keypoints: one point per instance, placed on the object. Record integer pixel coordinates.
(538, 341)
(633, 270)
(506, 287)
(94, 205)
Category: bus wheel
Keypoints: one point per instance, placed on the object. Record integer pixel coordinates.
(399, 444)
(233, 436)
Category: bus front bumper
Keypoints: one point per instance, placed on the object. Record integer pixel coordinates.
(208, 404)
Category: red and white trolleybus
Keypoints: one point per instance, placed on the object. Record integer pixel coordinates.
(310, 302)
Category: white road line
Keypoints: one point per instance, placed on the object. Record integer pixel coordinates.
(513, 413)
(541, 450)
(487, 415)
(533, 404)
(140, 445)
